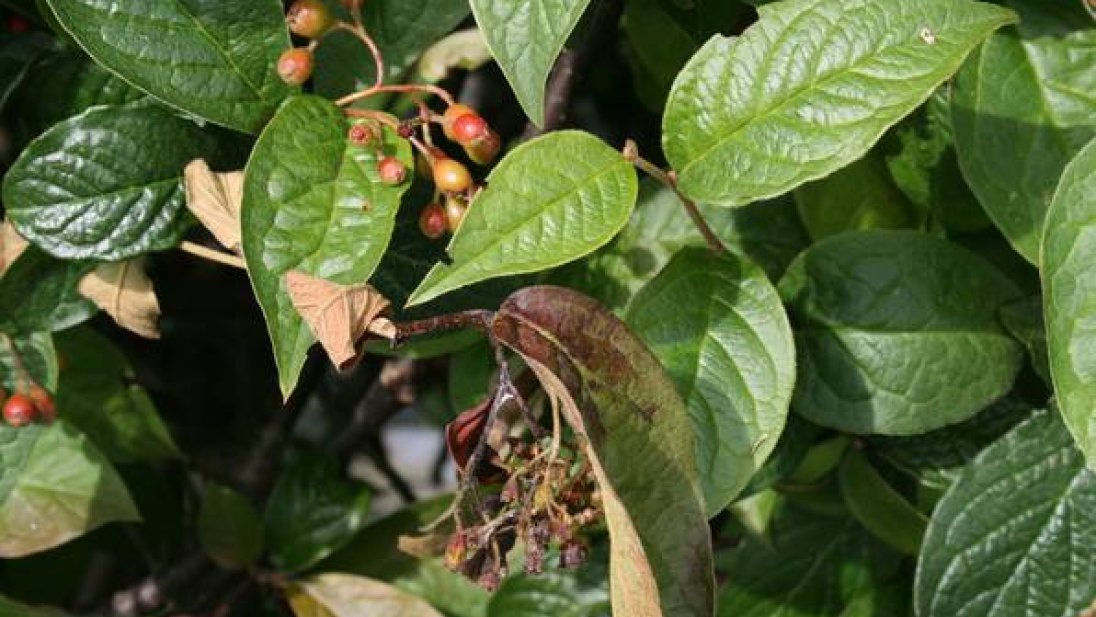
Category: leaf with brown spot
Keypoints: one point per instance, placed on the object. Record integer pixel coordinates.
(12, 245)
(215, 199)
(125, 292)
(339, 315)
(639, 434)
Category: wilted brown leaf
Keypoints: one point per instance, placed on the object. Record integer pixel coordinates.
(125, 292)
(12, 245)
(339, 315)
(347, 595)
(216, 200)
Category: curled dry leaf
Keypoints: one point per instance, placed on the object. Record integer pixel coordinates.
(339, 315)
(12, 245)
(465, 49)
(216, 200)
(346, 595)
(125, 292)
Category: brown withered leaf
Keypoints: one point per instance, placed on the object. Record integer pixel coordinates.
(125, 292)
(216, 200)
(12, 245)
(339, 315)
(347, 595)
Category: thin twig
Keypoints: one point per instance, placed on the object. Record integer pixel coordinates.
(631, 153)
(398, 89)
(358, 30)
(478, 319)
(212, 255)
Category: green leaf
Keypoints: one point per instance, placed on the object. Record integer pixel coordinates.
(717, 324)
(813, 566)
(106, 184)
(1014, 535)
(313, 202)
(38, 294)
(1024, 321)
(809, 88)
(33, 353)
(819, 460)
(937, 458)
(1069, 300)
(1022, 108)
(470, 373)
(54, 486)
(551, 594)
(61, 85)
(10, 608)
(402, 30)
(611, 388)
(549, 201)
(860, 196)
(210, 58)
(229, 528)
(877, 506)
(312, 512)
(769, 233)
(898, 332)
(97, 393)
(787, 456)
(525, 38)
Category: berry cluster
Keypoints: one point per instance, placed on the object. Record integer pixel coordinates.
(24, 407)
(548, 498)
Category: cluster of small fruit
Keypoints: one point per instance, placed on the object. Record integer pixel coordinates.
(549, 499)
(28, 405)
(311, 20)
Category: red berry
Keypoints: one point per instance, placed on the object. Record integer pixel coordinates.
(295, 66)
(19, 410)
(361, 135)
(484, 150)
(391, 171)
(17, 25)
(455, 208)
(469, 128)
(451, 176)
(43, 401)
(451, 114)
(308, 18)
(432, 221)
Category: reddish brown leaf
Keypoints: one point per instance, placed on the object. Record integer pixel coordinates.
(339, 315)
(465, 431)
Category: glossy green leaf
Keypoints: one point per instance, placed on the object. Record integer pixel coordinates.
(97, 393)
(1022, 108)
(312, 512)
(312, 202)
(936, 458)
(878, 506)
(1069, 283)
(812, 566)
(819, 460)
(33, 353)
(1014, 535)
(809, 88)
(717, 324)
(1024, 321)
(106, 184)
(38, 294)
(61, 85)
(552, 594)
(229, 528)
(549, 201)
(402, 29)
(54, 486)
(210, 58)
(860, 196)
(787, 456)
(639, 435)
(525, 38)
(769, 233)
(898, 332)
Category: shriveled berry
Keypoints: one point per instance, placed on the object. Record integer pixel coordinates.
(309, 18)
(455, 209)
(432, 221)
(19, 410)
(572, 555)
(391, 171)
(484, 150)
(469, 128)
(451, 114)
(361, 135)
(295, 66)
(43, 401)
(451, 176)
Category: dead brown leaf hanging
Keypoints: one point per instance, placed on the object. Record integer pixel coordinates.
(339, 315)
(125, 292)
(216, 200)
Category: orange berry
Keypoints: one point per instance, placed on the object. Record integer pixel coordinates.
(43, 401)
(451, 176)
(295, 66)
(455, 209)
(469, 128)
(484, 150)
(309, 18)
(391, 170)
(451, 114)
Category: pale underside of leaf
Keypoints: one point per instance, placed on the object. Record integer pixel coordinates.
(216, 200)
(339, 315)
(347, 595)
(12, 245)
(125, 292)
